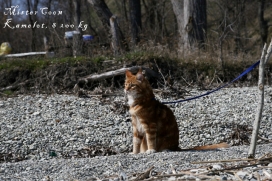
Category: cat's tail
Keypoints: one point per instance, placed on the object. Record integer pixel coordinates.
(208, 147)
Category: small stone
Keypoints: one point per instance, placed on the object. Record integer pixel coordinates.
(217, 167)
(33, 146)
(36, 113)
(172, 178)
(79, 127)
(224, 178)
(242, 174)
(82, 103)
(123, 146)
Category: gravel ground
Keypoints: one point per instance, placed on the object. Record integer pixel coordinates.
(50, 136)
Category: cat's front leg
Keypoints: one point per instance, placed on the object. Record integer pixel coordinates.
(137, 137)
(151, 135)
(136, 145)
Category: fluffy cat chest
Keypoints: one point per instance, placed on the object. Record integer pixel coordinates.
(130, 100)
(139, 126)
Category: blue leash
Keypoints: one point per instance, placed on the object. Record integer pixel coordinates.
(209, 92)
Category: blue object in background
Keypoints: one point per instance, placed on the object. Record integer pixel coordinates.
(69, 35)
(87, 37)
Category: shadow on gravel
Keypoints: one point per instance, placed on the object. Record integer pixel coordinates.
(10, 157)
(87, 152)
(90, 152)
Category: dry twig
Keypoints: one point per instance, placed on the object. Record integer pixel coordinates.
(144, 175)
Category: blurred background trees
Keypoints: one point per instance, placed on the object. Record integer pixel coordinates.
(220, 28)
(192, 24)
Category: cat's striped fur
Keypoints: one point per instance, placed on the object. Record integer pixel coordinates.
(154, 125)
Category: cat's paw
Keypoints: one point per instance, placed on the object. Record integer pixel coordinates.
(149, 151)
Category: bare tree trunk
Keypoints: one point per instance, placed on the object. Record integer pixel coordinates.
(102, 11)
(116, 44)
(239, 15)
(47, 32)
(105, 14)
(152, 13)
(77, 37)
(135, 20)
(192, 23)
(178, 7)
(32, 20)
(124, 9)
(89, 20)
(161, 19)
(200, 21)
(262, 23)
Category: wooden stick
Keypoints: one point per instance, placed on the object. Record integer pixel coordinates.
(269, 51)
(237, 176)
(182, 174)
(264, 58)
(262, 157)
(231, 160)
(267, 175)
(144, 175)
(265, 139)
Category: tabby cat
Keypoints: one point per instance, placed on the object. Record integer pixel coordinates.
(154, 125)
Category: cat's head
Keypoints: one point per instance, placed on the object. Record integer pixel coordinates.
(136, 83)
(137, 88)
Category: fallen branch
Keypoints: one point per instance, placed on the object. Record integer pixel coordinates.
(219, 161)
(105, 75)
(13, 87)
(25, 54)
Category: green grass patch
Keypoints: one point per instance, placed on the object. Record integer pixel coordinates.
(8, 92)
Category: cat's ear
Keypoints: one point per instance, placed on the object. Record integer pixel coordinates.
(128, 73)
(139, 75)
